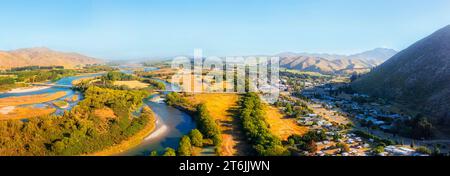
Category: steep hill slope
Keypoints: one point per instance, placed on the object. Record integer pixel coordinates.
(418, 76)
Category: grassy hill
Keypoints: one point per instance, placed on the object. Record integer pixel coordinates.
(336, 64)
(43, 57)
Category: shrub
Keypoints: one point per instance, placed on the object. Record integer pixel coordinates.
(378, 149)
(344, 147)
(154, 153)
(196, 138)
(185, 146)
(424, 150)
(170, 152)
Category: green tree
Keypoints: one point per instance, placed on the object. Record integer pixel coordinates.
(436, 151)
(343, 146)
(117, 76)
(154, 153)
(175, 99)
(58, 146)
(422, 127)
(207, 125)
(252, 116)
(196, 138)
(279, 104)
(311, 146)
(424, 150)
(185, 146)
(378, 149)
(170, 152)
(289, 110)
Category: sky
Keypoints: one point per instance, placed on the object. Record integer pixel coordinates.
(134, 29)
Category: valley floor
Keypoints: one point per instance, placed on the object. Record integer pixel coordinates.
(281, 126)
(223, 108)
(31, 99)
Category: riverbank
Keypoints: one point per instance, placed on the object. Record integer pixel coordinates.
(87, 76)
(131, 142)
(131, 84)
(27, 89)
(31, 99)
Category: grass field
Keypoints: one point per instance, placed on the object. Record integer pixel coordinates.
(164, 73)
(168, 74)
(281, 126)
(31, 99)
(221, 107)
(18, 113)
(132, 84)
(91, 79)
(304, 72)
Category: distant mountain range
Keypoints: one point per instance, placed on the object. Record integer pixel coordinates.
(336, 64)
(43, 57)
(418, 76)
(322, 63)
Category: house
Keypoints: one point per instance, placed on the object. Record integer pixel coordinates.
(399, 151)
(375, 121)
(360, 116)
(312, 115)
(386, 127)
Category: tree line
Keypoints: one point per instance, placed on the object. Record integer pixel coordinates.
(187, 143)
(254, 124)
(16, 79)
(107, 81)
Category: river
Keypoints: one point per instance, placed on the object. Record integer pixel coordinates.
(171, 125)
(67, 81)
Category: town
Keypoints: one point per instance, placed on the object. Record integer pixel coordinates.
(354, 124)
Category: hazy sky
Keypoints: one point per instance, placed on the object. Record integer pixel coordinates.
(126, 29)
